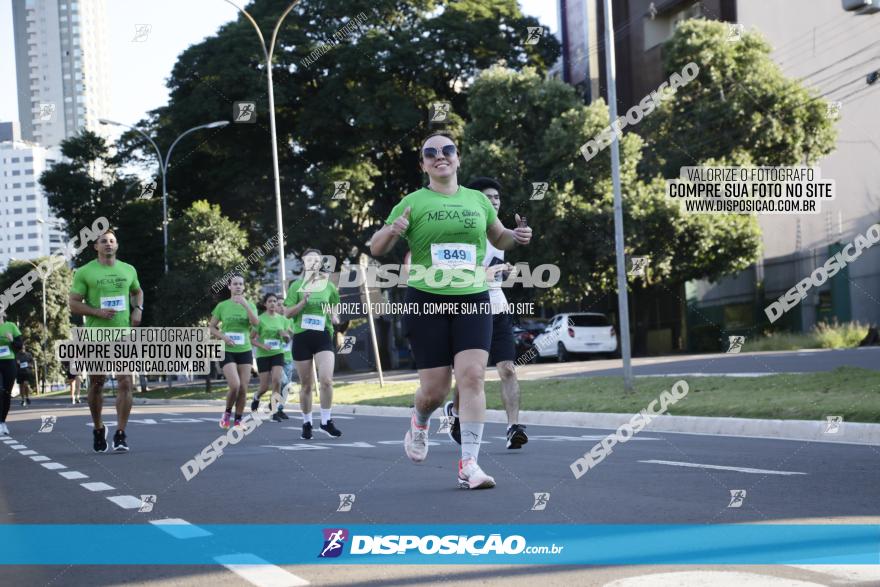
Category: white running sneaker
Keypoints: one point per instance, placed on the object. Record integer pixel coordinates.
(415, 443)
(4, 429)
(471, 476)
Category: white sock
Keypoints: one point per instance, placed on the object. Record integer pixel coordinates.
(307, 418)
(471, 436)
(454, 411)
(325, 416)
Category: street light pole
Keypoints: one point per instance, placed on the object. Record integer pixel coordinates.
(163, 170)
(622, 298)
(268, 52)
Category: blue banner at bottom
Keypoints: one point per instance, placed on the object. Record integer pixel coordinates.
(176, 542)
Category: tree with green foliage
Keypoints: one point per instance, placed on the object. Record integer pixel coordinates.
(354, 113)
(27, 312)
(740, 110)
(207, 246)
(526, 129)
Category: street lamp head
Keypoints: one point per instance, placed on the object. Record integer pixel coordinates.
(217, 124)
(108, 122)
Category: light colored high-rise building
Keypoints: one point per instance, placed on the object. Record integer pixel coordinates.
(27, 230)
(61, 67)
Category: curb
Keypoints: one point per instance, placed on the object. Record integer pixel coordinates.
(803, 430)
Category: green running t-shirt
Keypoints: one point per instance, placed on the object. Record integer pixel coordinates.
(314, 315)
(269, 333)
(107, 286)
(447, 236)
(6, 352)
(235, 324)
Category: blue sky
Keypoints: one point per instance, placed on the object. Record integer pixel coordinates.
(139, 69)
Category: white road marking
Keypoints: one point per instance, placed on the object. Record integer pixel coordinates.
(723, 468)
(128, 502)
(54, 466)
(180, 528)
(97, 486)
(28, 452)
(848, 573)
(73, 475)
(9, 441)
(259, 572)
(18, 446)
(40, 458)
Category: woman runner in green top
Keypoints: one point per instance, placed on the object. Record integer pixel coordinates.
(237, 315)
(267, 337)
(447, 227)
(308, 300)
(10, 343)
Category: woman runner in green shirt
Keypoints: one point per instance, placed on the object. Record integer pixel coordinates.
(307, 300)
(267, 337)
(10, 343)
(446, 226)
(236, 315)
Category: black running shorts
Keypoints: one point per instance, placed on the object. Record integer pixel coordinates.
(308, 343)
(436, 336)
(242, 358)
(265, 364)
(503, 343)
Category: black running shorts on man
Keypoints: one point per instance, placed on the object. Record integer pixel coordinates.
(503, 342)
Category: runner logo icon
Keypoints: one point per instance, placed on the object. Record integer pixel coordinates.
(334, 541)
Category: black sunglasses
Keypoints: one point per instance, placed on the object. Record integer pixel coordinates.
(431, 152)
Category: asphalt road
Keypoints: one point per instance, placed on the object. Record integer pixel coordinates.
(274, 477)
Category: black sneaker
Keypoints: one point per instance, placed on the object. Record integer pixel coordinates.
(455, 427)
(330, 429)
(276, 417)
(100, 441)
(282, 415)
(119, 444)
(516, 436)
(255, 405)
(307, 431)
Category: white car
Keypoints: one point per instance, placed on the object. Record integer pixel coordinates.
(576, 332)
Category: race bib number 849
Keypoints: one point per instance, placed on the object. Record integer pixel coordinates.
(451, 255)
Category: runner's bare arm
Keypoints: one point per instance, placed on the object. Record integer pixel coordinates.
(136, 299)
(505, 238)
(80, 308)
(213, 327)
(387, 236)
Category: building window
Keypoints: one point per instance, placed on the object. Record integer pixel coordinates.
(29, 184)
(32, 210)
(17, 211)
(16, 198)
(19, 237)
(33, 235)
(19, 249)
(32, 197)
(33, 248)
(32, 222)
(19, 223)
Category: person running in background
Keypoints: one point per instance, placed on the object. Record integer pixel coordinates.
(288, 371)
(26, 377)
(107, 292)
(267, 338)
(307, 301)
(73, 381)
(446, 226)
(236, 315)
(10, 343)
(503, 350)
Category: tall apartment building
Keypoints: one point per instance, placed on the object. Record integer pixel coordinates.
(830, 50)
(61, 67)
(27, 230)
